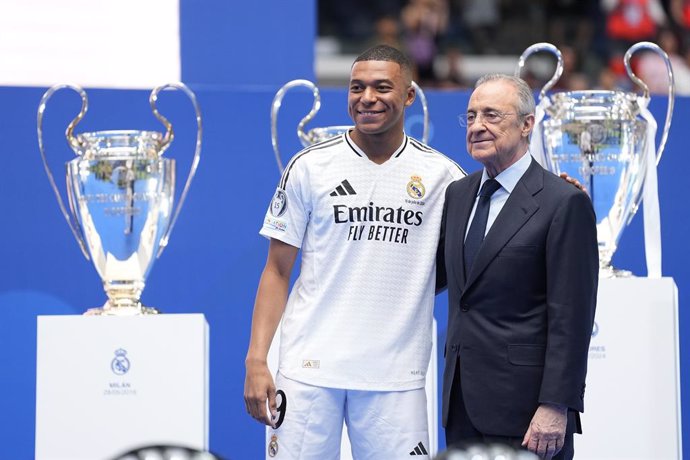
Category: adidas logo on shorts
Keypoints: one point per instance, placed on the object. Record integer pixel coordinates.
(419, 450)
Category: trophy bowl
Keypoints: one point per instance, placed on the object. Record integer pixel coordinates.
(120, 191)
(597, 138)
(604, 139)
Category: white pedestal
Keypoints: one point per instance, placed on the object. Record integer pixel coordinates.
(632, 402)
(430, 388)
(105, 385)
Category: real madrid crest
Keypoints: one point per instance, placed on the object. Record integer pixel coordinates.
(279, 203)
(120, 363)
(273, 446)
(415, 188)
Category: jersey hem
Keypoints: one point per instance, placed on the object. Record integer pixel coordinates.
(358, 386)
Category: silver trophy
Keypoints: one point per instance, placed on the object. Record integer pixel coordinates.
(120, 193)
(605, 139)
(321, 134)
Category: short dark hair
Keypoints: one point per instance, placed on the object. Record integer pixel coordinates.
(387, 53)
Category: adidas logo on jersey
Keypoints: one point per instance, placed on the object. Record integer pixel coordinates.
(343, 189)
(311, 363)
(419, 450)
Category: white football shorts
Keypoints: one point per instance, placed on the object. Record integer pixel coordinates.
(382, 425)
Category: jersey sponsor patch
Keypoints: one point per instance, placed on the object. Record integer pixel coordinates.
(275, 224)
(279, 203)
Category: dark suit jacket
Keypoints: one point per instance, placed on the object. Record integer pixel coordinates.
(520, 322)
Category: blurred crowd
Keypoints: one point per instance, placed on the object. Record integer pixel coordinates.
(592, 35)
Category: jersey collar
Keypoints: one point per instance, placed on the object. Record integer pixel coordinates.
(359, 152)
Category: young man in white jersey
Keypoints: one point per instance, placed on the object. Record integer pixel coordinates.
(365, 209)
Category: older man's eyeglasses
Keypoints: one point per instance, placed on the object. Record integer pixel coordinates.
(491, 117)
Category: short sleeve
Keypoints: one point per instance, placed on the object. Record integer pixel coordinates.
(288, 213)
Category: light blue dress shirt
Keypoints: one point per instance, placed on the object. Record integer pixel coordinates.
(508, 179)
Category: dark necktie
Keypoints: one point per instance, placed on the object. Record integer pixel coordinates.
(475, 235)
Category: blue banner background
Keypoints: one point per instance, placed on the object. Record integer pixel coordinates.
(235, 59)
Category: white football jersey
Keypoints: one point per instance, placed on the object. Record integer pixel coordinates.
(359, 316)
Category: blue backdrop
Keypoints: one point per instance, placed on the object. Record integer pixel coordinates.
(215, 256)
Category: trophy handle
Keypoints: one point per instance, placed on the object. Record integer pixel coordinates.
(425, 111)
(69, 133)
(537, 47)
(645, 89)
(275, 107)
(168, 138)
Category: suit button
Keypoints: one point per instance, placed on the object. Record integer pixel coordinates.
(453, 348)
(465, 307)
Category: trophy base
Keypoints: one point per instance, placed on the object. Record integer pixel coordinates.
(108, 310)
(607, 272)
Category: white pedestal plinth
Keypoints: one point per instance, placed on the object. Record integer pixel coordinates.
(430, 388)
(105, 384)
(632, 402)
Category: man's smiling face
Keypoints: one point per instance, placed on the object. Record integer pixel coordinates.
(378, 95)
(499, 143)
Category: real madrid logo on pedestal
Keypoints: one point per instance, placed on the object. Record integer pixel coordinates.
(120, 364)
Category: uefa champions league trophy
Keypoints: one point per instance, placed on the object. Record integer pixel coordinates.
(605, 139)
(321, 134)
(120, 192)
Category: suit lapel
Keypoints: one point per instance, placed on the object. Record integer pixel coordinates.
(517, 210)
(463, 210)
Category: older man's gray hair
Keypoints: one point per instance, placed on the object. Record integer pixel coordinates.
(526, 104)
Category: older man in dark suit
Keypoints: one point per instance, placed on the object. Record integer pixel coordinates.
(519, 254)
